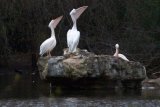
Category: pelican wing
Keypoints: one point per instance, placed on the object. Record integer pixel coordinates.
(47, 45)
(69, 38)
(123, 57)
(73, 40)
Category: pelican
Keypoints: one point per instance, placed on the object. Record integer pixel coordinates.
(73, 34)
(117, 54)
(48, 45)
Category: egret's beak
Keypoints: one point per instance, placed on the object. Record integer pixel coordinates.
(79, 11)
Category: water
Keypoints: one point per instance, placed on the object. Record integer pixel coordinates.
(26, 90)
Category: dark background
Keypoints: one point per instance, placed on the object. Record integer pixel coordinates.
(134, 24)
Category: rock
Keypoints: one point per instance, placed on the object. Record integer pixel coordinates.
(154, 81)
(151, 83)
(43, 66)
(88, 65)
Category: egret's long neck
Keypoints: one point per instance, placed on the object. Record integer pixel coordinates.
(74, 22)
(52, 32)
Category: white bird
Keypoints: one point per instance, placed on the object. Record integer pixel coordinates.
(117, 54)
(48, 45)
(73, 34)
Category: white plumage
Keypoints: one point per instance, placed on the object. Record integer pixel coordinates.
(117, 54)
(73, 34)
(73, 39)
(48, 45)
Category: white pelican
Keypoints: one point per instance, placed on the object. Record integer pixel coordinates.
(117, 54)
(73, 34)
(48, 45)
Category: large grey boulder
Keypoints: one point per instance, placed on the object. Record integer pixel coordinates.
(88, 65)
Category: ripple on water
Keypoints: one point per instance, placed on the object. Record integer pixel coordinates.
(78, 102)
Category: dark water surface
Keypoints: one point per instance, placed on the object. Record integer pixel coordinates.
(26, 90)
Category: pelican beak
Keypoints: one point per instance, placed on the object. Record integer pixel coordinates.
(56, 21)
(79, 11)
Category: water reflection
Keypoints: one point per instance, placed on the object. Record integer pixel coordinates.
(151, 94)
(27, 90)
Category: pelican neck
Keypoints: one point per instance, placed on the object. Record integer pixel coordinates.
(117, 51)
(52, 32)
(74, 25)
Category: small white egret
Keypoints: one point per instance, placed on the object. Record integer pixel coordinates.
(117, 54)
(73, 34)
(48, 45)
